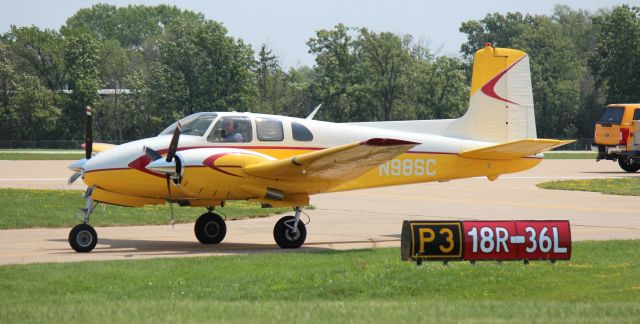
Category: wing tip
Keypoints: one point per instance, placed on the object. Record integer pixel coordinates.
(387, 142)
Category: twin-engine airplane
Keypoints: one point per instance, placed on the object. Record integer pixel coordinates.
(209, 158)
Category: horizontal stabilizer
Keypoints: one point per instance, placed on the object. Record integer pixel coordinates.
(514, 150)
(340, 163)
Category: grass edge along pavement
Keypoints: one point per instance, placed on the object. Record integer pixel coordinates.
(42, 154)
(599, 284)
(629, 186)
(570, 155)
(29, 208)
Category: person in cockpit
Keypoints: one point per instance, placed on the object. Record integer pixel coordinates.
(231, 133)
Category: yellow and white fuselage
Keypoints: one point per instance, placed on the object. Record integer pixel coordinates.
(281, 161)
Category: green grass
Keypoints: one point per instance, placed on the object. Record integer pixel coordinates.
(614, 186)
(40, 156)
(572, 155)
(600, 284)
(25, 208)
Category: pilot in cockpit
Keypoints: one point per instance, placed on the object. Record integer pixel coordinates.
(231, 133)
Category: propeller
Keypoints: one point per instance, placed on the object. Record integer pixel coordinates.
(171, 165)
(88, 134)
(88, 148)
(168, 177)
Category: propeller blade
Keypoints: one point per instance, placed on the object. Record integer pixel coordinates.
(170, 198)
(73, 178)
(88, 135)
(173, 146)
(151, 153)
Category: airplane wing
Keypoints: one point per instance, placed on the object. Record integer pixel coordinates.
(344, 162)
(99, 147)
(514, 150)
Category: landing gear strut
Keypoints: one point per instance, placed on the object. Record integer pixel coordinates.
(83, 238)
(210, 228)
(290, 232)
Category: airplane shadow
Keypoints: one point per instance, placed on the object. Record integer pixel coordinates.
(168, 248)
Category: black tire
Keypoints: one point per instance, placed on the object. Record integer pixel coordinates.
(629, 165)
(283, 236)
(210, 228)
(83, 238)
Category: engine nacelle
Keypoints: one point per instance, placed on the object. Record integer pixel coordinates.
(217, 173)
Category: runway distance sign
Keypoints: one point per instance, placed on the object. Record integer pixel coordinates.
(486, 240)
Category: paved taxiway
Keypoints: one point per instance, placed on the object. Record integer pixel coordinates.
(357, 219)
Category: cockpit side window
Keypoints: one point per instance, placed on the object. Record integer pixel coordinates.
(269, 129)
(196, 124)
(231, 129)
(301, 132)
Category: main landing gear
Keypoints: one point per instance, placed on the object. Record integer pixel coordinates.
(83, 238)
(290, 232)
(210, 228)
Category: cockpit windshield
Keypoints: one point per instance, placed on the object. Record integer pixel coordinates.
(196, 124)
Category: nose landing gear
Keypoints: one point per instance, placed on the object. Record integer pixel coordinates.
(83, 238)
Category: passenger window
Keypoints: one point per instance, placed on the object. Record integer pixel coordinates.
(301, 132)
(231, 129)
(636, 114)
(269, 129)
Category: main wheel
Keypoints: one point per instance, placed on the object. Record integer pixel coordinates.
(83, 238)
(284, 236)
(629, 165)
(210, 228)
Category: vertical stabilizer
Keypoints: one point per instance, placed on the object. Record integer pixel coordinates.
(501, 100)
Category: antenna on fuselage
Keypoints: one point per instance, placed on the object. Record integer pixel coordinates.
(313, 113)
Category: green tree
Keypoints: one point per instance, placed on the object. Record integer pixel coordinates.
(497, 29)
(557, 73)
(209, 70)
(383, 62)
(615, 62)
(438, 88)
(271, 82)
(39, 53)
(82, 57)
(130, 25)
(335, 64)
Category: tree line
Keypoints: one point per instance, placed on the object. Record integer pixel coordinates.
(165, 63)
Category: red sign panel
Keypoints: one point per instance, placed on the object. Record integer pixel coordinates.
(517, 240)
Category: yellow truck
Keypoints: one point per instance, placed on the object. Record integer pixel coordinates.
(617, 136)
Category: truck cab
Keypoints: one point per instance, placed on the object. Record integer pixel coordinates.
(616, 136)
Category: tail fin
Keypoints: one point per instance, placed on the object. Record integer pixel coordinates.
(501, 100)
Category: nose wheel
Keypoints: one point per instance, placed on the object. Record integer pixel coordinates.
(290, 232)
(83, 238)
